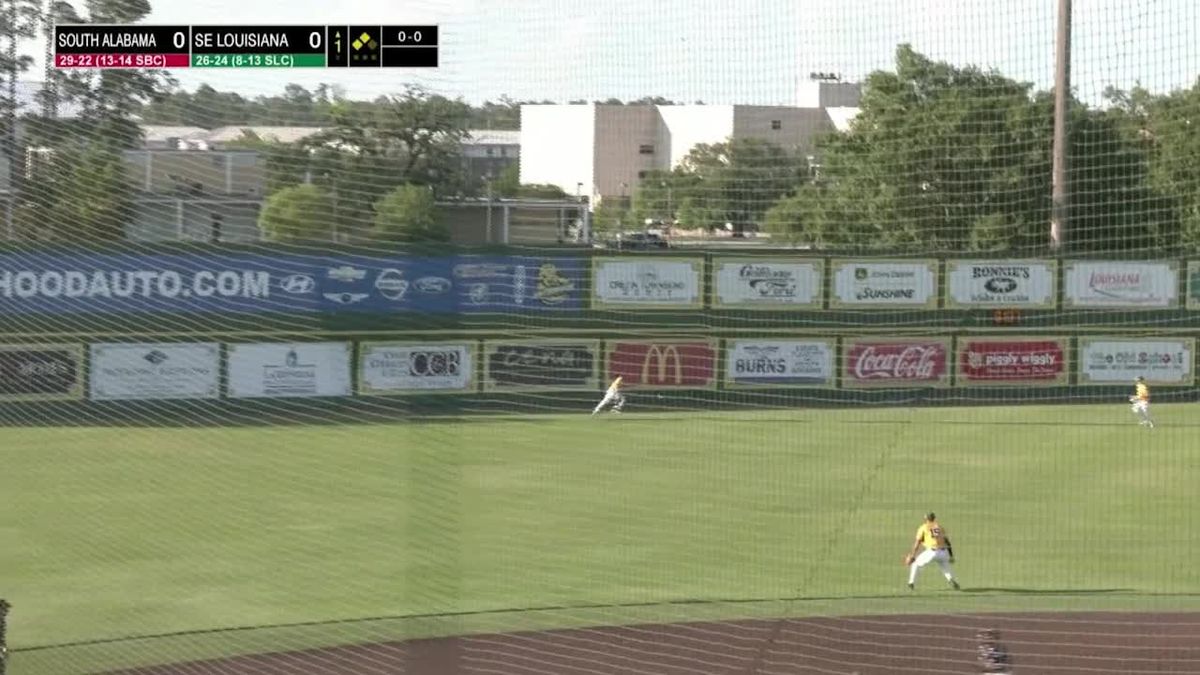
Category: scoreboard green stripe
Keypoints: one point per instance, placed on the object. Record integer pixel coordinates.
(258, 61)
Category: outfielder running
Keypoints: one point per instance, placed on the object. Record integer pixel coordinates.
(613, 396)
(933, 537)
(1141, 402)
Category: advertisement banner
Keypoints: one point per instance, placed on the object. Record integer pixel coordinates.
(767, 283)
(170, 370)
(779, 363)
(884, 283)
(416, 368)
(997, 361)
(666, 364)
(289, 370)
(895, 362)
(241, 283)
(1120, 361)
(1128, 285)
(646, 282)
(43, 372)
(542, 364)
(994, 284)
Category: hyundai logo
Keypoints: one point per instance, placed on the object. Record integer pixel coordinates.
(298, 284)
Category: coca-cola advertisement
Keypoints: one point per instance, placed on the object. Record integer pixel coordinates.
(986, 361)
(895, 362)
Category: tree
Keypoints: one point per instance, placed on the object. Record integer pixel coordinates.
(734, 182)
(408, 214)
(508, 182)
(111, 98)
(93, 189)
(286, 163)
(1167, 132)
(413, 138)
(298, 213)
(943, 158)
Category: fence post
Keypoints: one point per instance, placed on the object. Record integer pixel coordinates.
(4, 607)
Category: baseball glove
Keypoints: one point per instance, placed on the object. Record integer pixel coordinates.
(908, 559)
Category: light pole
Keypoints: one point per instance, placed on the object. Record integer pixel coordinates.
(487, 181)
(670, 218)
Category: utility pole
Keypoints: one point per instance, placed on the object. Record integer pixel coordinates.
(1060, 195)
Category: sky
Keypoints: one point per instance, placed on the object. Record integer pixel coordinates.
(718, 51)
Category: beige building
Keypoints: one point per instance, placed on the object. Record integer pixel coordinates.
(602, 151)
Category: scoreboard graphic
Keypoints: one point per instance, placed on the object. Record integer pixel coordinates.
(88, 46)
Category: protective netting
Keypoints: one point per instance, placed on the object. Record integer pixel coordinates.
(303, 361)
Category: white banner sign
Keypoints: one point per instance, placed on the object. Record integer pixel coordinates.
(1132, 285)
(1111, 361)
(779, 363)
(1000, 283)
(286, 370)
(172, 370)
(885, 283)
(398, 368)
(767, 283)
(665, 283)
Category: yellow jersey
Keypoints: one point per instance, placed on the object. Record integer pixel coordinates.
(932, 535)
(1142, 392)
(615, 386)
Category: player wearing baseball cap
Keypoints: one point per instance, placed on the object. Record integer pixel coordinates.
(932, 536)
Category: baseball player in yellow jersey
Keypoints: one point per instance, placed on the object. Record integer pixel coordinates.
(933, 537)
(1141, 402)
(613, 396)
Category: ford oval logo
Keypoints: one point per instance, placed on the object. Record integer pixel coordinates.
(432, 284)
(1000, 285)
(298, 284)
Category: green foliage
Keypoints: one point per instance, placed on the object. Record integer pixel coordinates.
(508, 182)
(658, 195)
(88, 197)
(732, 182)
(298, 213)
(612, 216)
(408, 214)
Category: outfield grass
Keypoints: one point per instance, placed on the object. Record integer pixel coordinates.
(112, 533)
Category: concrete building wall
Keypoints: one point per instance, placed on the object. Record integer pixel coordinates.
(687, 126)
(556, 146)
(627, 144)
(793, 129)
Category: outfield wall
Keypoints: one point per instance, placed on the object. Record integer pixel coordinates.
(235, 328)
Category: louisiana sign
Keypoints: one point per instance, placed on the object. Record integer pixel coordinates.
(995, 361)
(690, 364)
(1107, 284)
